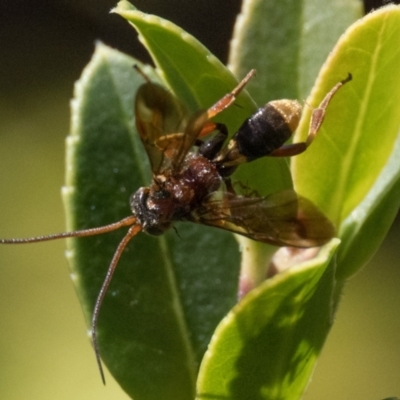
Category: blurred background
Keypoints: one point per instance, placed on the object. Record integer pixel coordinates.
(44, 350)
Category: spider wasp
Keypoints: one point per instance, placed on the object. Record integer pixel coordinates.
(192, 176)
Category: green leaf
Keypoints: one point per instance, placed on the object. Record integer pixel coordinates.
(365, 228)
(199, 79)
(267, 346)
(195, 75)
(352, 171)
(287, 42)
(168, 293)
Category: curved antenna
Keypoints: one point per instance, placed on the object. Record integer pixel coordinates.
(128, 221)
(133, 230)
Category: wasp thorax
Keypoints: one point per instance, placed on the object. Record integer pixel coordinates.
(173, 197)
(188, 188)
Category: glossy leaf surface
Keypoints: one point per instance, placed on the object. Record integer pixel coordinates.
(287, 43)
(359, 138)
(157, 317)
(267, 346)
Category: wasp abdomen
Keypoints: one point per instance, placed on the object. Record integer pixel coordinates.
(268, 129)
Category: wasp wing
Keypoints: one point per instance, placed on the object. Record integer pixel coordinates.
(161, 120)
(192, 131)
(282, 219)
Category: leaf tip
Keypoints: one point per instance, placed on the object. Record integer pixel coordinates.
(123, 6)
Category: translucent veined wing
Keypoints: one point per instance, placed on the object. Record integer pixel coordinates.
(161, 120)
(282, 219)
(165, 127)
(192, 131)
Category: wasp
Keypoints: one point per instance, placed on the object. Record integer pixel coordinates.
(191, 176)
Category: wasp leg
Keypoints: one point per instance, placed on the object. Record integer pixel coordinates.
(317, 118)
(289, 150)
(229, 98)
(318, 114)
(212, 147)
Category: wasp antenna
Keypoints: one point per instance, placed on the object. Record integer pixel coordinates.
(133, 231)
(84, 232)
